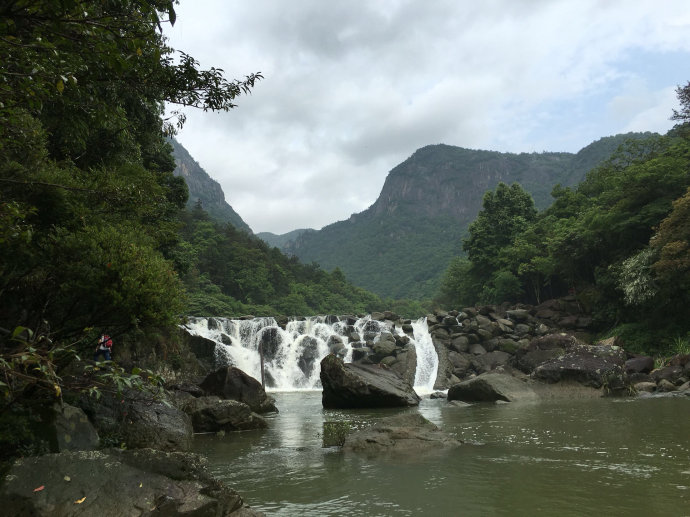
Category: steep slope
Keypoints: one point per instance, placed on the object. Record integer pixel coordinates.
(401, 245)
(278, 241)
(204, 188)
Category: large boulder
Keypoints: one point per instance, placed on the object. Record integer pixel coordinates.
(409, 433)
(405, 364)
(114, 483)
(72, 430)
(213, 414)
(232, 383)
(363, 386)
(139, 420)
(491, 387)
(599, 366)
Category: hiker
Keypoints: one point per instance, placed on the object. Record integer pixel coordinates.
(105, 345)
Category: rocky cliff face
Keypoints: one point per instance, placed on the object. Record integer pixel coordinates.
(402, 244)
(202, 187)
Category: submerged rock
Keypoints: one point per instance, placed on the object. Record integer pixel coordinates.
(408, 433)
(114, 483)
(492, 387)
(363, 386)
(232, 383)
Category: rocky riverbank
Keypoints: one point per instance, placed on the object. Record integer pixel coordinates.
(548, 343)
(149, 473)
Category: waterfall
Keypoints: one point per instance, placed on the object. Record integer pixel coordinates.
(292, 356)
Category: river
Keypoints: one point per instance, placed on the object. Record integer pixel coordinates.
(567, 457)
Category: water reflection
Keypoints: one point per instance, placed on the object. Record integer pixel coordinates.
(581, 457)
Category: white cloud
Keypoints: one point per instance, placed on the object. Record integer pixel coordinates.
(353, 88)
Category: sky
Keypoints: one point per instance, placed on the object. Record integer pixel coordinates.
(352, 88)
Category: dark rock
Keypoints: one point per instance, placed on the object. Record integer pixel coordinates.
(362, 386)
(405, 364)
(477, 349)
(390, 315)
(232, 383)
(72, 430)
(203, 349)
(187, 387)
(518, 315)
(117, 482)
(593, 366)
(460, 344)
(665, 386)
(359, 354)
(645, 387)
(491, 387)
(336, 346)
(490, 361)
(639, 364)
(139, 420)
(308, 355)
(354, 336)
(484, 334)
(212, 414)
(270, 342)
(569, 322)
(521, 329)
(384, 346)
(528, 360)
(438, 395)
(409, 433)
(669, 373)
(445, 368)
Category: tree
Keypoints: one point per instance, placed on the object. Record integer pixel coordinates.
(85, 172)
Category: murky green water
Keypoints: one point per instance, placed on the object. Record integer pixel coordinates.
(600, 457)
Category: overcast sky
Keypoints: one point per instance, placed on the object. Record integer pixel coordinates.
(352, 88)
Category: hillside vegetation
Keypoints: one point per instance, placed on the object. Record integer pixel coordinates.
(619, 241)
(400, 246)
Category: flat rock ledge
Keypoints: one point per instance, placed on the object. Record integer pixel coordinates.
(113, 483)
(363, 386)
(492, 387)
(409, 434)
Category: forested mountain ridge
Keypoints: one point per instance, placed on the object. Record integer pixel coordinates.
(279, 241)
(204, 188)
(400, 246)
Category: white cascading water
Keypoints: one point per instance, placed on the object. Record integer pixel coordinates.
(292, 356)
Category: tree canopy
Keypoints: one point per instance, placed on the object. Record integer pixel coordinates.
(618, 241)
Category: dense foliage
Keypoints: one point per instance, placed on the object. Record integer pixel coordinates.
(400, 246)
(89, 207)
(619, 241)
(228, 272)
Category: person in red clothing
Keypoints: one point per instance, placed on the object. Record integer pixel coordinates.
(105, 345)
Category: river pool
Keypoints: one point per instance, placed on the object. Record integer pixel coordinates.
(591, 457)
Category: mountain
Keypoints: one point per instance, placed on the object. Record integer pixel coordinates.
(278, 241)
(204, 188)
(400, 246)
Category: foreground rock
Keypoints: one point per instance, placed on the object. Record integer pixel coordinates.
(232, 383)
(491, 387)
(139, 421)
(596, 366)
(409, 433)
(363, 386)
(114, 483)
(212, 414)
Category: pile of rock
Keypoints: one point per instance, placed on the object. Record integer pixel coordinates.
(671, 377)
(164, 479)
